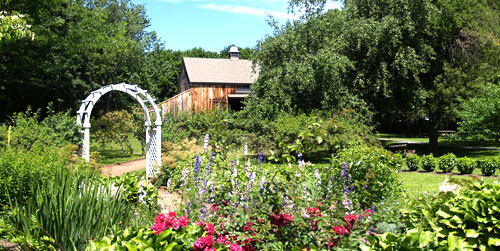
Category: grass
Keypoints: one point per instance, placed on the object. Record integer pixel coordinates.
(416, 183)
(445, 146)
(111, 154)
(399, 137)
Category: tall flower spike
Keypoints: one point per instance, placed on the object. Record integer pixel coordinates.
(245, 150)
(260, 158)
(205, 142)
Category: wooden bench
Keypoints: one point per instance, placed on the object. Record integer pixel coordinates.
(445, 132)
(398, 147)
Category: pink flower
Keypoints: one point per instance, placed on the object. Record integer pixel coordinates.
(205, 243)
(222, 239)
(160, 218)
(235, 247)
(183, 221)
(159, 227)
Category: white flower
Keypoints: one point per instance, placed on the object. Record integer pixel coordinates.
(205, 142)
(446, 187)
(245, 149)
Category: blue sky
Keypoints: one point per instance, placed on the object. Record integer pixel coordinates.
(214, 24)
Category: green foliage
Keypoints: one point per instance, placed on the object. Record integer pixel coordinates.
(447, 162)
(463, 220)
(23, 169)
(135, 188)
(398, 60)
(413, 162)
(479, 115)
(69, 209)
(115, 127)
(465, 165)
(488, 166)
(14, 27)
(370, 174)
(131, 238)
(428, 162)
(79, 46)
(28, 130)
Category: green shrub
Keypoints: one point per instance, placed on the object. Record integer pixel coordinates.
(28, 130)
(413, 162)
(69, 210)
(466, 165)
(487, 166)
(370, 174)
(135, 188)
(169, 239)
(22, 169)
(428, 162)
(462, 220)
(447, 162)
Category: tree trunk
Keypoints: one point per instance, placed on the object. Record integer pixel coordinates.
(433, 139)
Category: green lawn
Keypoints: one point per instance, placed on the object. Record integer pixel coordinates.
(399, 137)
(112, 154)
(415, 183)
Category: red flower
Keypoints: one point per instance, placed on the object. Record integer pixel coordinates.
(280, 220)
(163, 222)
(204, 244)
(314, 212)
(210, 229)
(160, 218)
(319, 204)
(315, 226)
(215, 208)
(183, 221)
(340, 230)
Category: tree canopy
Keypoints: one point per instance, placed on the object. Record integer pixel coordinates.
(397, 59)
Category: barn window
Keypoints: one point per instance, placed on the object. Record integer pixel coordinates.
(243, 89)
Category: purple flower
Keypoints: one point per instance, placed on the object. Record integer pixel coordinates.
(373, 209)
(197, 165)
(211, 157)
(344, 172)
(260, 158)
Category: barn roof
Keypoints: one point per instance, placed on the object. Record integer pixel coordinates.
(220, 71)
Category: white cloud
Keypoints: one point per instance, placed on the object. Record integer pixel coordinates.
(239, 9)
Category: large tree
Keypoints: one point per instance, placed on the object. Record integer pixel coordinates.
(401, 59)
(79, 46)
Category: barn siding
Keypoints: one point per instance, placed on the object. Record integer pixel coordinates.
(198, 98)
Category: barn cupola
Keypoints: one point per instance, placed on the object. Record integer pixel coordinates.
(234, 54)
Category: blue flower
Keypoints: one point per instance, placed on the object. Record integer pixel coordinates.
(260, 158)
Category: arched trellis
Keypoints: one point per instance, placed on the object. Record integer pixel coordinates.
(153, 132)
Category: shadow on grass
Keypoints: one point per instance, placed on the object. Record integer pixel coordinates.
(115, 156)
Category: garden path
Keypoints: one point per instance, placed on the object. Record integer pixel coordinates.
(122, 168)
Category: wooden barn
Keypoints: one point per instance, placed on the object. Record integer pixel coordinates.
(208, 82)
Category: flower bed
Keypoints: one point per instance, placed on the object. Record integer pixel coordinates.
(250, 205)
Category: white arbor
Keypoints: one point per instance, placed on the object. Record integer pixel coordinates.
(153, 132)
